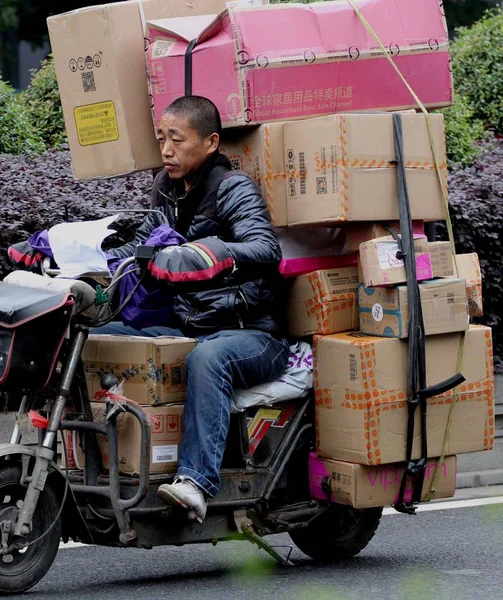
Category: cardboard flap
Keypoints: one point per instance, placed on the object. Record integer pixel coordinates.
(200, 27)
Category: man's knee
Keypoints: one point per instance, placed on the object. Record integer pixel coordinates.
(206, 357)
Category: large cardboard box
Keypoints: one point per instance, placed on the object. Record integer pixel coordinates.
(290, 61)
(469, 269)
(152, 369)
(342, 168)
(361, 392)
(324, 302)
(166, 424)
(259, 152)
(99, 54)
(380, 265)
(385, 311)
(363, 486)
(441, 259)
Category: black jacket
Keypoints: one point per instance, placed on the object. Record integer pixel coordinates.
(226, 276)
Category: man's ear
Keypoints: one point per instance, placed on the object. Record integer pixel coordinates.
(213, 142)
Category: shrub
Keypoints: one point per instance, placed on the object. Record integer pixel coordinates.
(44, 104)
(477, 66)
(40, 191)
(17, 131)
(476, 207)
(462, 131)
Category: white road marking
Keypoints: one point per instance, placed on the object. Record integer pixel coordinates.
(451, 504)
(438, 505)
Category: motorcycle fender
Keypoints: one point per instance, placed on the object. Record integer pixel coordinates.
(73, 523)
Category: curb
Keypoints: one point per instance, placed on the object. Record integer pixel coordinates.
(475, 479)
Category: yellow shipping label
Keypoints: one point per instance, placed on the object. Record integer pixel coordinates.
(96, 123)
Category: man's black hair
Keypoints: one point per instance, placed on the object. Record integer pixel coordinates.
(202, 114)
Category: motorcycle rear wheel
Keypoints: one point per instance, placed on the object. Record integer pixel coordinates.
(341, 532)
(21, 569)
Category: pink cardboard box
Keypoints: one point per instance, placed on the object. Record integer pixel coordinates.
(363, 486)
(281, 62)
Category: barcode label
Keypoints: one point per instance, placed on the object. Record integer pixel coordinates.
(302, 172)
(88, 82)
(162, 49)
(165, 454)
(353, 373)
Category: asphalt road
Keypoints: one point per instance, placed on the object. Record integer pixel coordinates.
(452, 554)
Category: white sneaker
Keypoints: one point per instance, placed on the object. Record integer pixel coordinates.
(185, 493)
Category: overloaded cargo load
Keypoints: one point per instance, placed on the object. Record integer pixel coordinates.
(385, 311)
(361, 396)
(152, 369)
(280, 62)
(363, 486)
(99, 54)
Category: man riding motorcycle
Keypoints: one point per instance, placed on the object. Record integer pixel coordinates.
(226, 288)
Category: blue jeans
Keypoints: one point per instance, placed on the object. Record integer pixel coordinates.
(219, 363)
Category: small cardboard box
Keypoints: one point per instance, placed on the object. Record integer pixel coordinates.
(99, 54)
(166, 423)
(324, 302)
(469, 270)
(361, 396)
(279, 62)
(362, 486)
(380, 265)
(153, 369)
(342, 168)
(441, 259)
(385, 311)
(358, 233)
(259, 152)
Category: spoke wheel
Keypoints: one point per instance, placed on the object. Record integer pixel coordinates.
(21, 569)
(340, 532)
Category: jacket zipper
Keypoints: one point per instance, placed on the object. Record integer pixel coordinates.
(240, 320)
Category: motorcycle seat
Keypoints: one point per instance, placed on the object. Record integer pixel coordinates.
(81, 291)
(19, 304)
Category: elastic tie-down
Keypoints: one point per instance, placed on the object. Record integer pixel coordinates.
(417, 390)
(188, 67)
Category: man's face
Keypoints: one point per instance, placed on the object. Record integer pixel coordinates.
(183, 150)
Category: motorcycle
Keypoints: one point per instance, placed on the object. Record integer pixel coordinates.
(265, 471)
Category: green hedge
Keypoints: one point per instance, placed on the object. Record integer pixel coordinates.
(43, 101)
(477, 66)
(18, 131)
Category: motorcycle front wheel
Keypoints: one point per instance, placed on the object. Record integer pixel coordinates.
(21, 569)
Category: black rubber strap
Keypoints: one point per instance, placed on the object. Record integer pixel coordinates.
(416, 373)
(188, 68)
(417, 390)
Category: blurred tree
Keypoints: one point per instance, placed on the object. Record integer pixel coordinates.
(28, 17)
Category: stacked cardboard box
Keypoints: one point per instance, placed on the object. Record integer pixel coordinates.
(152, 371)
